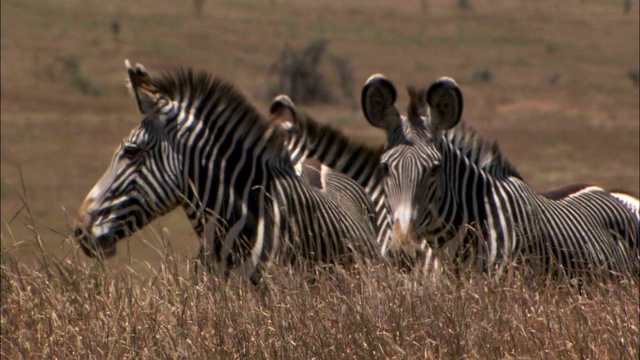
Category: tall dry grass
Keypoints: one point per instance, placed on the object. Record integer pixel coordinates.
(67, 308)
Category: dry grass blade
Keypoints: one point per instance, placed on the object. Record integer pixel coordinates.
(67, 309)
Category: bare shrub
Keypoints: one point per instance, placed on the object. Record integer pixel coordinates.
(345, 72)
(482, 75)
(67, 68)
(198, 7)
(465, 4)
(299, 74)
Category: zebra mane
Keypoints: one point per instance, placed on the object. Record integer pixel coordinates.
(337, 139)
(481, 152)
(201, 88)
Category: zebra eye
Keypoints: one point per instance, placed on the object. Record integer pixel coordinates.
(131, 150)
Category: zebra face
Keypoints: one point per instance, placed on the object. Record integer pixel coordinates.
(142, 183)
(408, 176)
(144, 180)
(412, 161)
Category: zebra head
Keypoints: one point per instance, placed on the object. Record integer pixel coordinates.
(143, 181)
(412, 157)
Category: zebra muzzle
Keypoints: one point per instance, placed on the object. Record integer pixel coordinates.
(103, 246)
(404, 238)
(85, 241)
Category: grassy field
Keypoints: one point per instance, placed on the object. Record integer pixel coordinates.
(561, 102)
(64, 310)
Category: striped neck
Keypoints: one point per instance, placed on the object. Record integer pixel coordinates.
(471, 169)
(226, 146)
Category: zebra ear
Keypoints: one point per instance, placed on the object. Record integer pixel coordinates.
(283, 112)
(147, 94)
(445, 104)
(378, 103)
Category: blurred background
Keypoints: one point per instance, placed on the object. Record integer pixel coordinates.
(554, 82)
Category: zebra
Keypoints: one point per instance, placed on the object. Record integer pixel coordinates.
(201, 145)
(310, 140)
(345, 191)
(332, 183)
(331, 146)
(457, 191)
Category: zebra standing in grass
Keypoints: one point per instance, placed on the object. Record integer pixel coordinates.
(310, 140)
(202, 146)
(457, 191)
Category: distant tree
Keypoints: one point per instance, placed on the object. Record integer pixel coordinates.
(198, 7)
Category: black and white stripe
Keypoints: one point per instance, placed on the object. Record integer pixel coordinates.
(458, 192)
(202, 146)
(338, 154)
(628, 200)
(309, 139)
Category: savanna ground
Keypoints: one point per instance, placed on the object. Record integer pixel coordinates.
(560, 98)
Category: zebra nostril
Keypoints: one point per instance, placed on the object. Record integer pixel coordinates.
(78, 232)
(87, 245)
